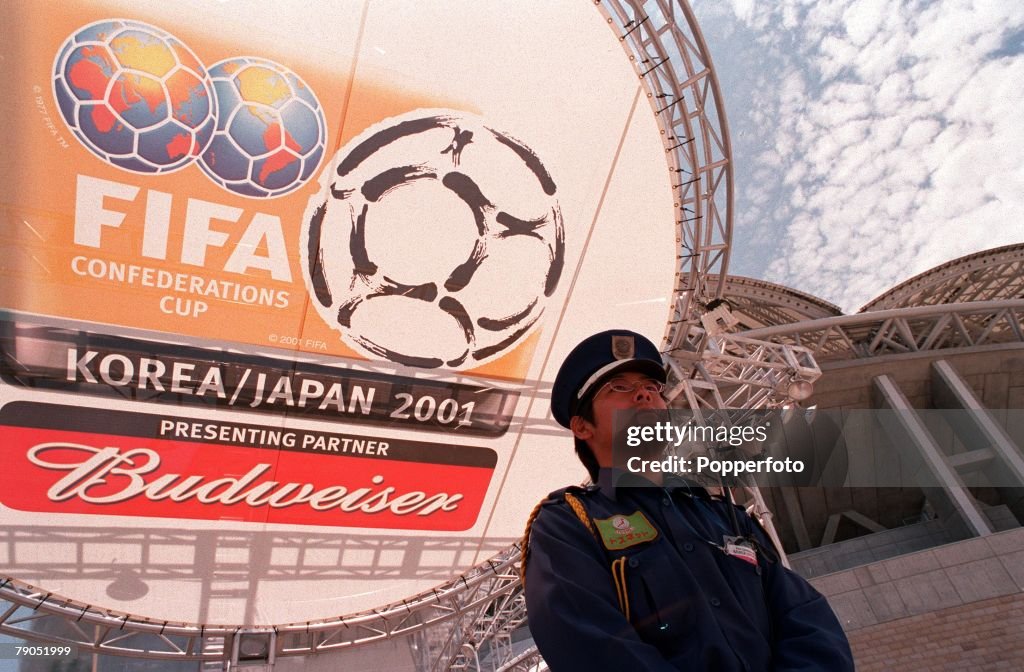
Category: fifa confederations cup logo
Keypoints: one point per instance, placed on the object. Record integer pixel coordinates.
(141, 100)
(435, 240)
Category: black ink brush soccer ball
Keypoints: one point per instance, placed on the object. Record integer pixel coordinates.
(435, 241)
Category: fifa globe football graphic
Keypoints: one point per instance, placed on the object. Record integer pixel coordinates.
(135, 95)
(270, 129)
(435, 241)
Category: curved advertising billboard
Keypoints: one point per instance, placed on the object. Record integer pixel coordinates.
(284, 290)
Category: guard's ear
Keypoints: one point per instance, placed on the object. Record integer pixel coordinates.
(581, 429)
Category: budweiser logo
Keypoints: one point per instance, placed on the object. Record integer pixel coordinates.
(112, 475)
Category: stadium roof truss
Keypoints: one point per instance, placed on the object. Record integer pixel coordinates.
(989, 275)
(980, 324)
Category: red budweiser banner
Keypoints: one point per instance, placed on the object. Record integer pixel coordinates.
(64, 459)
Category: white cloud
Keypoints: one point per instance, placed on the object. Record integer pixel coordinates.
(889, 138)
(823, 16)
(743, 9)
(863, 19)
(886, 131)
(920, 132)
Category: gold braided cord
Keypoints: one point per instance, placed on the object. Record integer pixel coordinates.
(525, 544)
(581, 513)
(575, 504)
(619, 577)
(618, 566)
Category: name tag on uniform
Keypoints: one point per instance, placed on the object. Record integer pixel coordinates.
(738, 547)
(622, 531)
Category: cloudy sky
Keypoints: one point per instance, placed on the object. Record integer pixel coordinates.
(873, 139)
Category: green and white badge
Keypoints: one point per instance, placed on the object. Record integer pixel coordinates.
(621, 531)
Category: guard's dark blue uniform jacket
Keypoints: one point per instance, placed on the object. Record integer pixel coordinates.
(692, 607)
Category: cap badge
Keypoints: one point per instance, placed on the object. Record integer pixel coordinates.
(623, 347)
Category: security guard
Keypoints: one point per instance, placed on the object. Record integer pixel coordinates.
(657, 577)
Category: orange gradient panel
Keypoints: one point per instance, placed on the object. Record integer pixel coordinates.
(515, 363)
(153, 235)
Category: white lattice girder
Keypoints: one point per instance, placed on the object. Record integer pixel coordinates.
(904, 330)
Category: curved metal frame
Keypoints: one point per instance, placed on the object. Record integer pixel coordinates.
(460, 599)
(527, 661)
(672, 58)
(989, 275)
(664, 42)
(759, 303)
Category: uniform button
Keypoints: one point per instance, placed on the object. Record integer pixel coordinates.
(688, 546)
(634, 563)
(666, 501)
(715, 602)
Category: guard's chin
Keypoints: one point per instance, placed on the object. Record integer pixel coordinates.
(646, 416)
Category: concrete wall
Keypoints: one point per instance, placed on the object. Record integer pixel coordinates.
(996, 376)
(870, 548)
(985, 635)
(954, 607)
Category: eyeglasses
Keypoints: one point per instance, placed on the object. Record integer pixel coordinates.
(620, 386)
